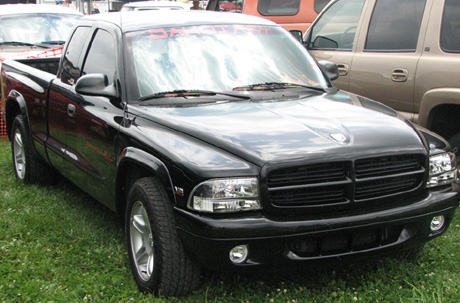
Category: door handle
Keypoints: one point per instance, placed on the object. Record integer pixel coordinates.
(71, 110)
(399, 75)
(343, 69)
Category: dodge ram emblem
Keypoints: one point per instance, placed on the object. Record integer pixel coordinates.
(339, 137)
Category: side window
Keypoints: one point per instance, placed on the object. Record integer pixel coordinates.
(101, 56)
(450, 29)
(70, 71)
(278, 7)
(230, 6)
(395, 25)
(320, 4)
(337, 27)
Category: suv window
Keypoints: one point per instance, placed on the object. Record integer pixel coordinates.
(320, 4)
(230, 6)
(395, 25)
(70, 69)
(450, 29)
(337, 28)
(278, 7)
(101, 56)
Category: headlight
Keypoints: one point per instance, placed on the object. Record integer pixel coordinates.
(443, 169)
(225, 195)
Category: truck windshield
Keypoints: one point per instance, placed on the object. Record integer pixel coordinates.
(218, 58)
(36, 28)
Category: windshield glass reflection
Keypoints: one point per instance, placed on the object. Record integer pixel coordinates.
(218, 58)
(36, 28)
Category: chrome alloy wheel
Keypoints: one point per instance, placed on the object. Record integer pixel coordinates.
(19, 155)
(141, 241)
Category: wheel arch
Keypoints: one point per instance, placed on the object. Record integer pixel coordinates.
(439, 111)
(15, 104)
(134, 164)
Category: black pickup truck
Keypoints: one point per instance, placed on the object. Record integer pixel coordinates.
(221, 143)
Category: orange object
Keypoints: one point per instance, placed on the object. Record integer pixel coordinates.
(291, 14)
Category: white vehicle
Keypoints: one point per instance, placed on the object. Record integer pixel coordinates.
(34, 31)
(155, 5)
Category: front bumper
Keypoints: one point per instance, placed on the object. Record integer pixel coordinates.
(277, 243)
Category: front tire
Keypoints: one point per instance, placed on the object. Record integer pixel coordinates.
(28, 166)
(157, 258)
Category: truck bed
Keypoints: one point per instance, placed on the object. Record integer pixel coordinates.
(49, 65)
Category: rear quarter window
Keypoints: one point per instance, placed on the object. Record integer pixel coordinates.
(450, 28)
(320, 4)
(278, 7)
(395, 25)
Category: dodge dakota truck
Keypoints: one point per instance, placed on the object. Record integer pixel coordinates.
(405, 54)
(221, 143)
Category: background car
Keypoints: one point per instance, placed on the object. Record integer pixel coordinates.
(405, 54)
(291, 14)
(155, 5)
(33, 31)
(30, 30)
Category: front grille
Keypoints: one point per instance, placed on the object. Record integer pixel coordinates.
(323, 172)
(332, 244)
(345, 182)
(386, 165)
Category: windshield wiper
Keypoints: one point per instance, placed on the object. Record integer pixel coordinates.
(19, 43)
(274, 85)
(54, 42)
(190, 93)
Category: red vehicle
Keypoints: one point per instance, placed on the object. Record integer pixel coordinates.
(291, 14)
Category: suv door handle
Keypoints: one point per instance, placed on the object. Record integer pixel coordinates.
(343, 69)
(71, 110)
(399, 75)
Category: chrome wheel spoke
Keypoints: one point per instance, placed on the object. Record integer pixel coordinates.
(19, 155)
(141, 241)
(139, 223)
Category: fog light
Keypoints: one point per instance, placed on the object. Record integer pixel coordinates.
(437, 223)
(239, 254)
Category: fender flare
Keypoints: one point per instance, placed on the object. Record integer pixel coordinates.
(151, 164)
(433, 98)
(15, 98)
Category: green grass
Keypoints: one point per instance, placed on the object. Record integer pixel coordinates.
(59, 245)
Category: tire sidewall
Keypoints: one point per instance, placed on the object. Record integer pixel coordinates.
(18, 124)
(137, 193)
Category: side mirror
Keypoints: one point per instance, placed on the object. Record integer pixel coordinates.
(297, 34)
(95, 85)
(330, 69)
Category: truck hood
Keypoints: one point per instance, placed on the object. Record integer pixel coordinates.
(325, 125)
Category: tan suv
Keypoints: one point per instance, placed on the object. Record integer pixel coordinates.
(405, 54)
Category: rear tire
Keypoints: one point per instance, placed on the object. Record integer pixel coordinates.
(157, 258)
(28, 166)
